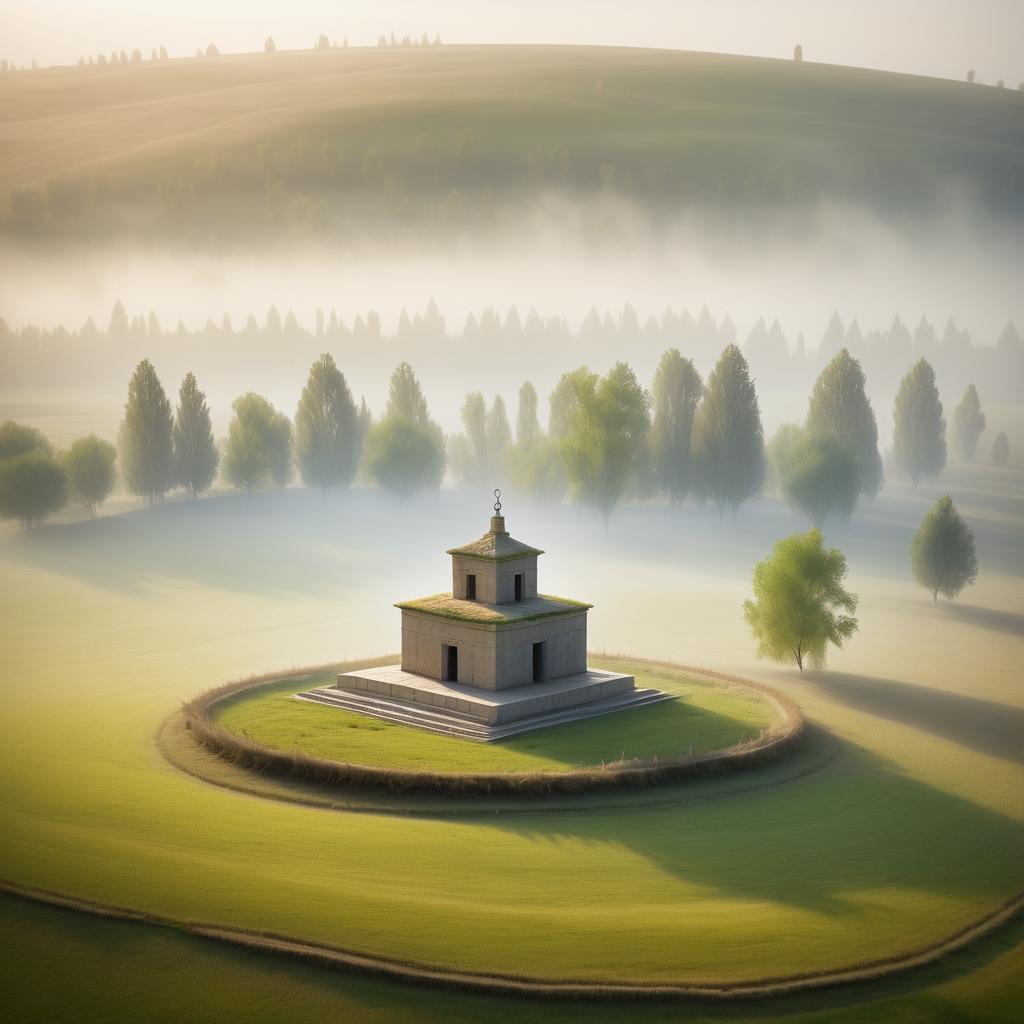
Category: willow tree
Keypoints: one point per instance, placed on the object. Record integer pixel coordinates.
(327, 429)
(839, 408)
(728, 440)
(145, 442)
(800, 606)
(604, 448)
(675, 392)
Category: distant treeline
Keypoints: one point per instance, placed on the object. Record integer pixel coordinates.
(31, 356)
(607, 438)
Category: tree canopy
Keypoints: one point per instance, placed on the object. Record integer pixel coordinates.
(195, 451)
(33, 485)
(404, 457)
(259, 446)
(942, 552)
(327, 431)
(968, 424)
(145, 445)
(90, 465)
(676, 392)
(819, 477)
(607, 437)
(18, 439)
(800, 605)
(728, 442)
(919, 435)
(1000, 450)
(839, 407)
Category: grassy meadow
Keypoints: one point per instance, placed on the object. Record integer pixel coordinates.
(252, 145)
(914, 827)
(704, 718)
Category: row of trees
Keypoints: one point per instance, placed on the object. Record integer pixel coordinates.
(607, 438)
(800, 606)
(29, 353)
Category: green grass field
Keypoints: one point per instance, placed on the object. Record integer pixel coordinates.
(913, 829)
(249, 145)
(705, 717)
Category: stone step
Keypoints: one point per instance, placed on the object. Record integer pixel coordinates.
(453, 724)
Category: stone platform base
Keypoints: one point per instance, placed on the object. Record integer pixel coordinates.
(390, 694)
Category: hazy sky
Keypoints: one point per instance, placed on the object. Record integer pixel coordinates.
(930, 37)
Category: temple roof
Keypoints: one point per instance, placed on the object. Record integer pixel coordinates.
(445, 606)
(496, 545)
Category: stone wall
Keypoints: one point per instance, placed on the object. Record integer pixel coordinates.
(495, 581)
(494, 658)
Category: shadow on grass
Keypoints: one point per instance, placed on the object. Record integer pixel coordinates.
(986, 618)
(860, 826)
(982, 725)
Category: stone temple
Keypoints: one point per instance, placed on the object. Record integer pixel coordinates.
(492, 658)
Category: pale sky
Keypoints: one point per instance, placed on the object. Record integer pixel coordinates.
(928, 37)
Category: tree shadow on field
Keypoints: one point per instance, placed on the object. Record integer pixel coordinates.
(274, 544)
(859, 826)
(982, 725)
(986, 618)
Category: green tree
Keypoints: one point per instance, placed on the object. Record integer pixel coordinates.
(839, 407)
(17, 439)
(195, 451)
(942, 552)
(404, 457)
(780, 451)
(499, 435)
(800, 605)
(728, 442)
(528, 428)
(259, 446)
(606, 444)
(919, 435)
(968, 424)
(404, 453)
(1000, 450)
(676, 392)
(145, 443)
(405, 396)
(327, 440)
(89, 464)
(820, 477)
(32, 486)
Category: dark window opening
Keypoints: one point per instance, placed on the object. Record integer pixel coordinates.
(519, 586)
(451, 667)
(538, 663)
(471, 587)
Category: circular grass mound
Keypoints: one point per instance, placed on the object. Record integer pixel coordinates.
(715, 724)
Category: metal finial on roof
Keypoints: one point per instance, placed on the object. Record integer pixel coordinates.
(497, 501)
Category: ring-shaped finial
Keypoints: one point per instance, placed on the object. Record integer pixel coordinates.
(497, 501)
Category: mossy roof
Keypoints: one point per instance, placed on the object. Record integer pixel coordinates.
(496, 547)
(543, 606)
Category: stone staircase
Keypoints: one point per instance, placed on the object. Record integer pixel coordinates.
(451, 723)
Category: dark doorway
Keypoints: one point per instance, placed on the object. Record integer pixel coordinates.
(519, 586)
(451, 664)
(471, 587)
(538, 663)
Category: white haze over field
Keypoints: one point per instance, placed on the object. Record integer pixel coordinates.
(838, 260)
(923, 37)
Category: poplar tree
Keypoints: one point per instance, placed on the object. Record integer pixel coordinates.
(327, 433)
(942, 554)
(676, 392)
(195, 451)
(145, 443)
(919, 436)
(839, 408)
(259, 445)
(527, 423)
(968, 424)
(728, 441)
